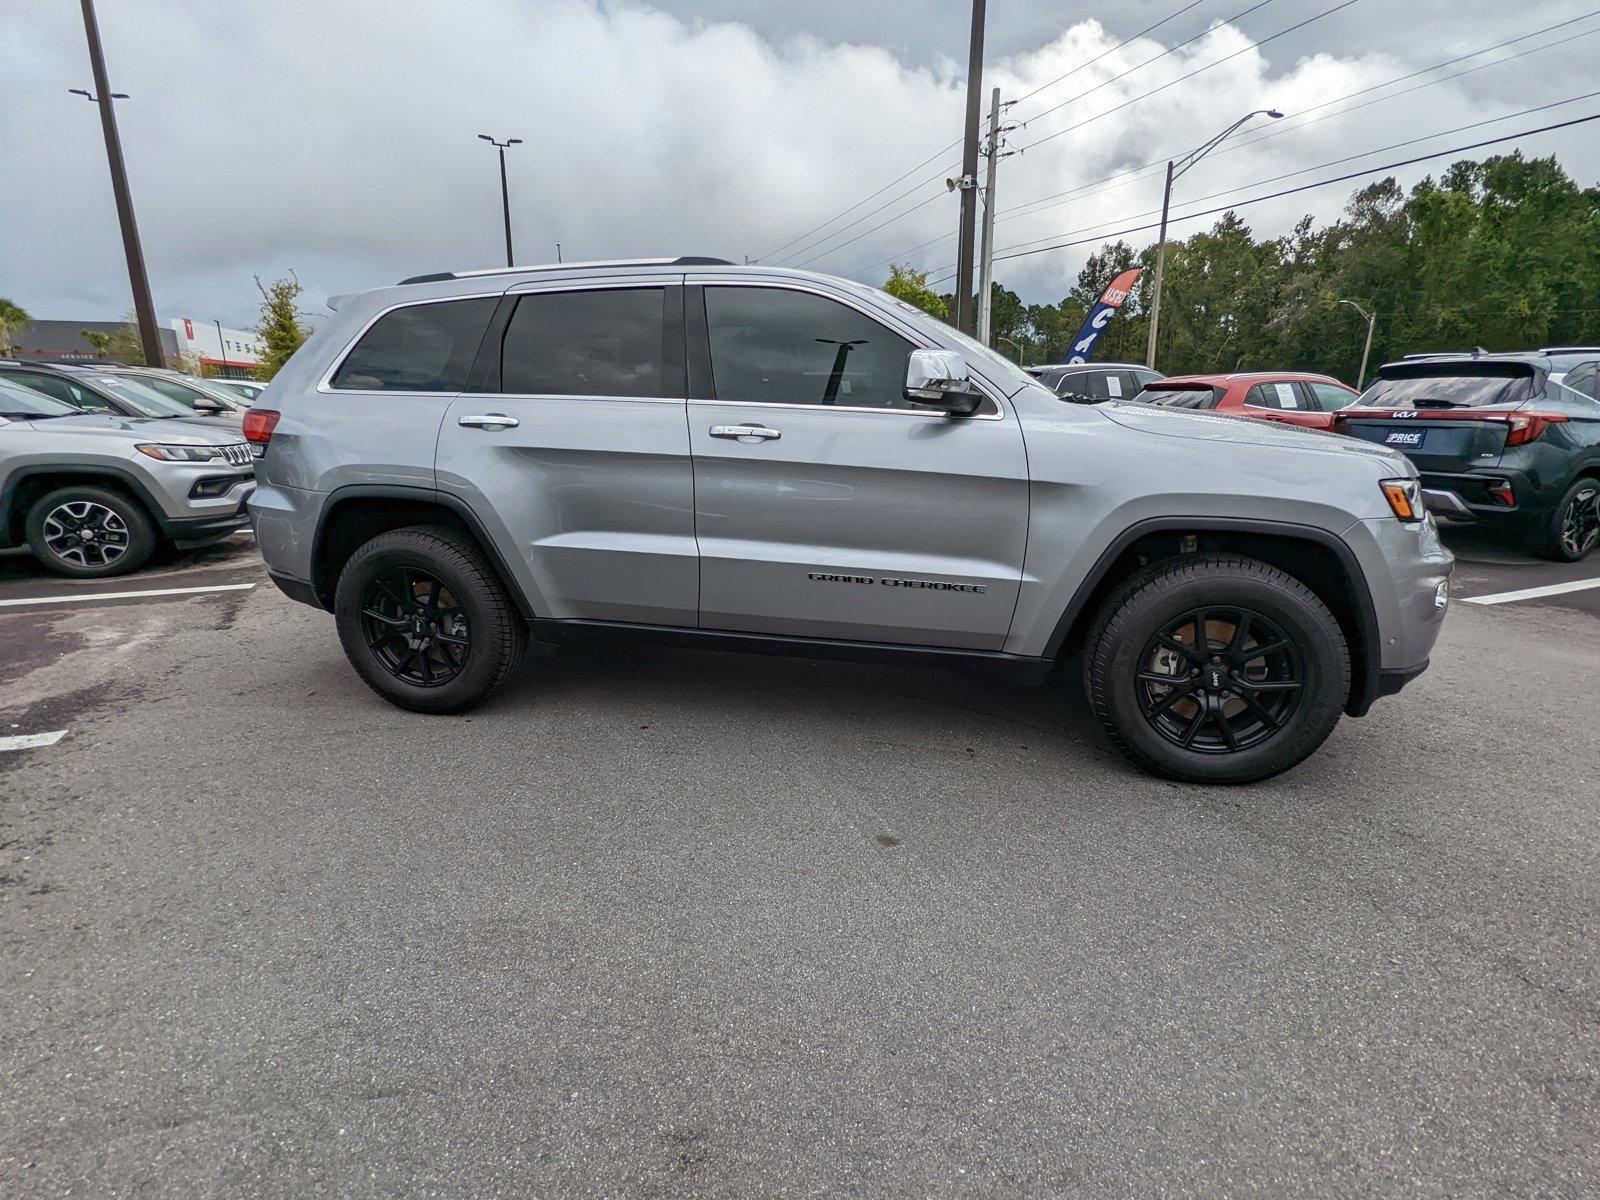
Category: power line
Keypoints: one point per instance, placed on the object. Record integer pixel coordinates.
(1365, 173)
(1134, 174)
(1328, 12)
(1126, 41)
(1331, 163)
(869, 213)
(1141, 66)
(950, 145)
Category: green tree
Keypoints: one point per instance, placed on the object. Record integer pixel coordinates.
(99, 339)
(12, 318)
(279, 328)
(911, 285)
(126, 346)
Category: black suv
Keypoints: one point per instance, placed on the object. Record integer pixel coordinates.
(1509, 441)
(1090, 383)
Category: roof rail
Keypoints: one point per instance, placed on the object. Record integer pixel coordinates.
(687, 260)
(1570, 350)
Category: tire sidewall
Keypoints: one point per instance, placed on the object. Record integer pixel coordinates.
(382, 554)
(1323, 658)
(1553, 547)
(141, 532)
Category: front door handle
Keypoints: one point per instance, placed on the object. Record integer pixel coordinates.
(488, 421)
(749, 434)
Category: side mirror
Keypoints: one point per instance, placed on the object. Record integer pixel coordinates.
(941, 378)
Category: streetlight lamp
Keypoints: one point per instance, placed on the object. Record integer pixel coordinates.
(505, 193)
(1013, 345)
(1372, 319)
(1175, 168)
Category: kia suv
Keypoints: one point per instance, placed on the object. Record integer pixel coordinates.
(1507, 441)
(94, 496)
(771, 460)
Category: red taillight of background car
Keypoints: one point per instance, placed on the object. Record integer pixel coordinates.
(258, 426)
(1528, 427)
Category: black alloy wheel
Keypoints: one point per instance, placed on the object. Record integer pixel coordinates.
(1219, 679)
(415, 626)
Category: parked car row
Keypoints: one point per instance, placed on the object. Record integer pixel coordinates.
(100, 466)
(1507, 441)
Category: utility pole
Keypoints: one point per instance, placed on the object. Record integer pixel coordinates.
(1161, 262)
(143, 306)
(969, 173)
(986, 253)
(505, 191)
(1372, 319)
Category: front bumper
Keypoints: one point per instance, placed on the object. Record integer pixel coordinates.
(188, 532)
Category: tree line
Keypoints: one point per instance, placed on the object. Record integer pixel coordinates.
(1503, 254)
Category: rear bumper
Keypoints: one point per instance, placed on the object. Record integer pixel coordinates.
(1465, 497)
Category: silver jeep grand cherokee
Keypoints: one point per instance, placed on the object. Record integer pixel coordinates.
(777, 461)
(94, 495)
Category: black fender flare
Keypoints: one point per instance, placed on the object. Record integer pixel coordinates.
(1365, 673)
(423, 495)
(88, 472)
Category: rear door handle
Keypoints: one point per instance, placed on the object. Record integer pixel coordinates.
(488, 421)
(745, 433)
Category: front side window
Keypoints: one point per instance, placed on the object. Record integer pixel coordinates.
(602, 343)
(1330, 398)
(418, 348)
(775, 346)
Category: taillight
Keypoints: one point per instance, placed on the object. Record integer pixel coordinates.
(258, 426)
(1529, 427)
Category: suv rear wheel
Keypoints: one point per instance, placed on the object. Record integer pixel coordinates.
(1573, 527)
(1216, 670)
(89, 532)
(425, 621)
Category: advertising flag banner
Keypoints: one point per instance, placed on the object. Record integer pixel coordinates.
(1100, 315)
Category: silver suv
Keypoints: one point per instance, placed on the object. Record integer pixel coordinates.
(95, 495)
(769, 460)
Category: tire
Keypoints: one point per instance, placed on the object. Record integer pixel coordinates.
(1572, 530)
(87, 531)
(448, 647)
(1246, 720)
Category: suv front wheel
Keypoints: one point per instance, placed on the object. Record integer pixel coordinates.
(89, 532)
(425, 621)
(1216, 670)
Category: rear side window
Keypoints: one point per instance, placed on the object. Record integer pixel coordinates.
(775, 346)
(418, 348)
(605, 343)
(1274, 395)
(1581, 379)
(1180, 397)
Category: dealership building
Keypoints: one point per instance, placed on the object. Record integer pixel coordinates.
(220, 351)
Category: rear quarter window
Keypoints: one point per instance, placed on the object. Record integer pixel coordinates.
(418, 348)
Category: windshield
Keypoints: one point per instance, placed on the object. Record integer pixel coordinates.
(1447, 391)
(147, 402)
(1180, 397)
(23, 404)
(185, 394)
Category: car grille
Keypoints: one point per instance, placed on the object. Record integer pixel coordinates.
(238, 454)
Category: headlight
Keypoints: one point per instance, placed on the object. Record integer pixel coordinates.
(1404, 497)
(180, 453)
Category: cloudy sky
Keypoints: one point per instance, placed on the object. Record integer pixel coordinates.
(338, 140)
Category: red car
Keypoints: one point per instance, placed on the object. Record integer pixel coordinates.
(1288, 397)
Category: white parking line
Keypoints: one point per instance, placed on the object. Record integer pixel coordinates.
(87, 596)
(30, 740)
(1533, 593)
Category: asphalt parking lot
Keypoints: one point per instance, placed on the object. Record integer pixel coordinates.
(666, 922)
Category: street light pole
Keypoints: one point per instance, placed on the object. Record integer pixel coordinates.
(1175, 168)
(1372, 319)
(223, 343)
(505, 191)
(969, 174)
(143, 306)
